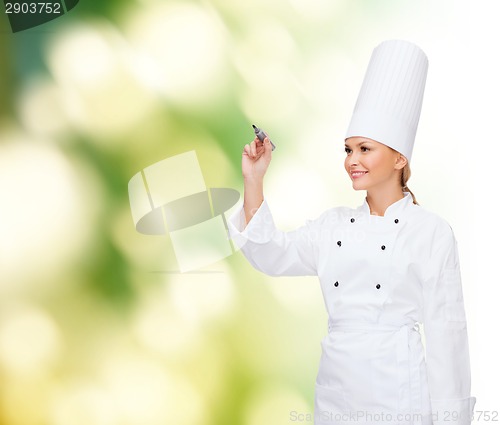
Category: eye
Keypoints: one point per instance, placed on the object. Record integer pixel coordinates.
(364, 148)
(347, 150)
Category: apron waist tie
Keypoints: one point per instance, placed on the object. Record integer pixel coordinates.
(360, 326)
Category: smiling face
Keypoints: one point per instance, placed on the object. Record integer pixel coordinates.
(372, 165)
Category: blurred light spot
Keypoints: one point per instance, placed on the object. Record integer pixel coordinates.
(217, 165)
(171, 321)
(268, 43)
(330, 81)
(276, 98)
(82, 404)
(100, 91)
(277, 405)
(41, 108)
(84, 55)
(29, 341)
(144, 393)
(315, 10)
(16, 390)
(46, 216)
(158, 328)
(263, 59)
(145, 70)
(199, 297)
(183, 49)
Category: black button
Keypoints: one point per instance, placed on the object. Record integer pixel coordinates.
(339, 243)
(352, 220)
(383, 247)
(378, 286)
(336, 284)
(396, 221)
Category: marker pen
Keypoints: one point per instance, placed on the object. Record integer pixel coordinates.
(262, 135)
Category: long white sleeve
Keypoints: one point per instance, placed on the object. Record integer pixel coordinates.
(273, 251)
(445, 327)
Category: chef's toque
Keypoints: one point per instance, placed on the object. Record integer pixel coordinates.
(390, 100)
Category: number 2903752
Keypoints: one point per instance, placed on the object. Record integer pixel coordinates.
(32, 8)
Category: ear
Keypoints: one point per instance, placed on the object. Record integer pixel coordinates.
(401, 161)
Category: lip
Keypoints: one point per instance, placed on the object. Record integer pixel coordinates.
(357, 174)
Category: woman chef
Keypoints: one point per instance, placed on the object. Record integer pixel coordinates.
(385, 267)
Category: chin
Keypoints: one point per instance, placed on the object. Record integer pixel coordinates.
(358, 187)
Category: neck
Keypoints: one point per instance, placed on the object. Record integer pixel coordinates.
(379, 201)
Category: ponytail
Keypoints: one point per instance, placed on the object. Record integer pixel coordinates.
(405, 175)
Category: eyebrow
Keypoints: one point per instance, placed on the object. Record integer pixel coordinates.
(359, 144)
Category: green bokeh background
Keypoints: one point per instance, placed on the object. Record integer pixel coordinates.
(96, 324)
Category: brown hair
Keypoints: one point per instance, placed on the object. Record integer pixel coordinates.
(405, 175)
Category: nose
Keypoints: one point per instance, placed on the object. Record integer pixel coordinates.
(352, 159)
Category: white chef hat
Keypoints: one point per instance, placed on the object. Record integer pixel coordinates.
(390, 100)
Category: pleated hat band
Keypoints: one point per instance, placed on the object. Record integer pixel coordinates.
(390, 100)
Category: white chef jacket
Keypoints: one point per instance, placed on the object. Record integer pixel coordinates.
(381, 278)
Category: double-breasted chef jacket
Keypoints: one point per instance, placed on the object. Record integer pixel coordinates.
(383, 279)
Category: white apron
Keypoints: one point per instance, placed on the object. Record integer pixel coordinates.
(371, 374)
(380, 278)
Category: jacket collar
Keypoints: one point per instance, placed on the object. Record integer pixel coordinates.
(394, 210)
